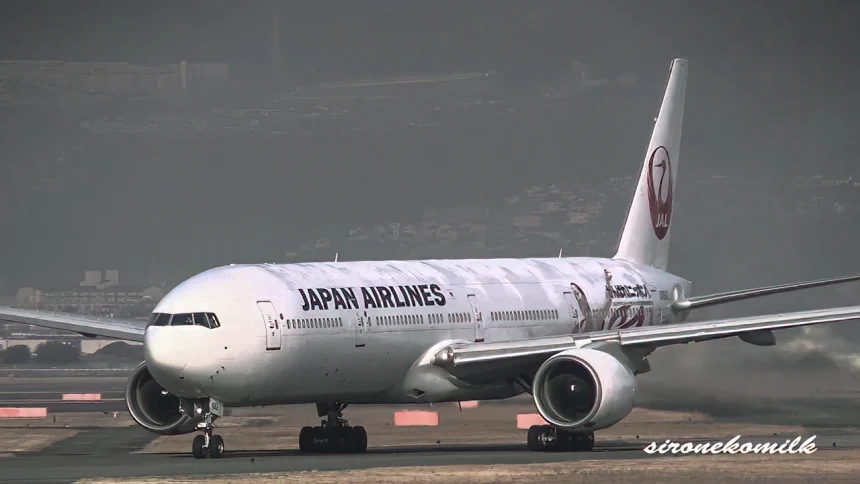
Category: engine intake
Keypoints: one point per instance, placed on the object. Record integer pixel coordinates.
(583, 388)
(153, 408)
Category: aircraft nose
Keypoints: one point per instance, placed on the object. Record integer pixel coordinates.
(164, 353)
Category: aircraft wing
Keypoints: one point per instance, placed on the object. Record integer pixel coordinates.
(123, 329)
(725, 297)
(514, 357)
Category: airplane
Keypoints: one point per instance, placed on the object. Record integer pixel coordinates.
(573, 332)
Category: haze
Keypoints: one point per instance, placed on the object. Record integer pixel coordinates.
(160, 189)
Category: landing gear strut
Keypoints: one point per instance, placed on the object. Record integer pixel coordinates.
(334, 435)
(546, 438)
(207, 445)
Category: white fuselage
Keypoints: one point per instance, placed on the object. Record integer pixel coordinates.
(356, 332)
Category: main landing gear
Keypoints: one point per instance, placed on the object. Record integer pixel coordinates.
(207, 445)
(546, 438)
(334, 435)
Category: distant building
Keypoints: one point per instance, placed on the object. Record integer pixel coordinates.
(94, 295)
(87, 346)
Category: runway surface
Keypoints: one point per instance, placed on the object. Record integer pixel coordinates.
(105, 453)
(48, 392)
(108, 448)
(109, 453)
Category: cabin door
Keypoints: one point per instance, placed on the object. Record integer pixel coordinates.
(273, 326)
(362, 325)
(573, 310)
(477, 318)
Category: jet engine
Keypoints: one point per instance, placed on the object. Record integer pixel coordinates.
(153, 408)
(583, 388)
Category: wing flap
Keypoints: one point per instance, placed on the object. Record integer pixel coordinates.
(123, 329)
(471, 357)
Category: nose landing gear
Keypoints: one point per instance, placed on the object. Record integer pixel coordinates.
(207, 445)
(334, 435)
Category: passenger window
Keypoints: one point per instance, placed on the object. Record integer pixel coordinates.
(185, 319)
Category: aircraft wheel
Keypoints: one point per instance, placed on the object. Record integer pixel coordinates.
(197, 447)
(216, 447)
(306, 440)
(584, 442)
(360, 439)
(534, 438)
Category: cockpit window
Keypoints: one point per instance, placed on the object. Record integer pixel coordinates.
(200, 320)
(184, 319)
(207, 320)
(158, 319)
(213, 321)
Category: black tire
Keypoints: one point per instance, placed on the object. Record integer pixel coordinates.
(348, 440)
(586, 443)
(216, 447)
(197, 447)
(533, 439)
(360, 439)
(306, 440)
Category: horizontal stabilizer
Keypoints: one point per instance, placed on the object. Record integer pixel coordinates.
(721, 298)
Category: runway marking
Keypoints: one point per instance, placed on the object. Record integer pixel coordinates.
(416, 417)
(526, 420)
(23, 412)
(80, 397)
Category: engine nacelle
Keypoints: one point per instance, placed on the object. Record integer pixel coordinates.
(153, 408)
(583, 388)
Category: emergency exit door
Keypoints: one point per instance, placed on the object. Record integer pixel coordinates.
(273, 326)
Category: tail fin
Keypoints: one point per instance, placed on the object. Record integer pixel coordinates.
(647, 229)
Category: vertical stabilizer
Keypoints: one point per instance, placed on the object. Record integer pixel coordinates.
(648, 227)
